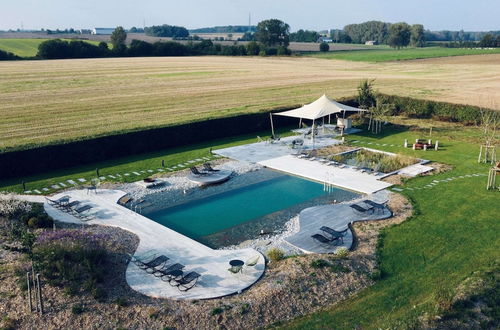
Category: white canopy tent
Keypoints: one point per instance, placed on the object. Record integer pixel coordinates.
(320, 108)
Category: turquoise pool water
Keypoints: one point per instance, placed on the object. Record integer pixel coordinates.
(248, 209)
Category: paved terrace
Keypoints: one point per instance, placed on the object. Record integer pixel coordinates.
(216, 280)
(335, 216)
(279, 156)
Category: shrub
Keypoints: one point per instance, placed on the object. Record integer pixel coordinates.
(324, 47)
(275, 254)
(71, 257)
(77, 309)
(342, 252)
(319, 263)
(216, 311)
(122, 302)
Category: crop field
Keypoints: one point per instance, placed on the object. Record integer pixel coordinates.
(44, 102)
(385, 54)
(25, 47)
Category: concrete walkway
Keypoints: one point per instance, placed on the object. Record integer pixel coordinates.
(346, 177)
(335, 216)
(216, 280)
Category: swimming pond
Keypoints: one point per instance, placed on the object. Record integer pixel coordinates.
(239, 209)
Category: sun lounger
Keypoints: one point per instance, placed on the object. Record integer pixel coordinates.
(188, 281)
(165, 273)
(161, 262)
(360, 209)
(252, 261)
(322, 239)
(209, 168)
(377, 206)
(60, 202)
(71, 205)
(195, 171)
(158, 261)
(82, 209)
(137, 258)
(334, 233)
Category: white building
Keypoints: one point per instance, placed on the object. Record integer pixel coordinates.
(102, 30)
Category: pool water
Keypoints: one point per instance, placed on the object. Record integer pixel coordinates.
(227, 216)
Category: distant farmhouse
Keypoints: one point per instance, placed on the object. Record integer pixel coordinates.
(371, 43)
(103, 31)
(324, 39)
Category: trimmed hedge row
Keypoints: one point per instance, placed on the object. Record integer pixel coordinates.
(466, 114)
(21, 163)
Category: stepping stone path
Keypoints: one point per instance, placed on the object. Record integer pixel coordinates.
(71, 181)
(127, 174)
(37, 191)
(62, 184)
(102, 178)
(55, 186)
(82, 180)
(27, 192)
(136, 173)
(111, 176)
(45, 189)
(150, 171)
(434, 183)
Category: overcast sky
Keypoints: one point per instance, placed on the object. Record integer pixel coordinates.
(478, 15)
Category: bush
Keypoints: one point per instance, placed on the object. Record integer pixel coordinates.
(216, 311)
(324, 47)
(122, 302)
(77, 309)
(320, 263)
(342, 252)
(275, 254)
(71, 258)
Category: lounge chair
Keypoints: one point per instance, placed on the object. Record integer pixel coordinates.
(82, 209)
(334, 233)
(60, 202)
(360, 209)
(322, 239)
(209, 168)
(252, 261)
(137, 258)
(153, 264)
(377, 206)
(188, 281)
(71, 205)
(165, 273)
(195, 171)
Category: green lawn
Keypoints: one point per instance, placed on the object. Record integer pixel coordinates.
(384, 55)
(453, 233)
(26, 47)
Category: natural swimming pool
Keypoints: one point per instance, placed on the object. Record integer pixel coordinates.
(239, 209)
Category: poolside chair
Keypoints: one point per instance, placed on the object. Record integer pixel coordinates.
(195, 171)
(360, 209)
(159, 264)
(60, 202)
(165, 273)
(324, 240)
(82, 209)
(158, 261)
(376, 206)
(209, 168)
(334, 233)
(137, 258)
(69, 207)
(188, 281)
(252, 261)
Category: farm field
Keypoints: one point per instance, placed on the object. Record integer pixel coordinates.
(385, 54)
(26, 47)
(46, 102)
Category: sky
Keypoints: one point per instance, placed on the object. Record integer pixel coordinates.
(478, 15)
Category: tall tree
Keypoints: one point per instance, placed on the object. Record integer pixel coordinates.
(417, 38)
(399, 35)
(273, 32)
(118, 38)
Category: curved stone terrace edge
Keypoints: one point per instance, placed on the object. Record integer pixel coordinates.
(337, 217)
(216, 281)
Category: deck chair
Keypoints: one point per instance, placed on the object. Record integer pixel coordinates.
(158, 261)
(209, 168)
(188, 281)
(252, 261)
(137, 258)
(60, 202)
(71, 205)
(322, 239)
(334, 233)
(377, 206)
(195, 171)
(359, 209)
(80, 210)
(165, 273)
(159, 264)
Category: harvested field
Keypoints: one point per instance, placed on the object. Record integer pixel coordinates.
(49, 101)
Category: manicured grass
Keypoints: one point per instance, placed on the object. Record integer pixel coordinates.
(453, 233)
(384, 55)
(48, 102)
(26, 47)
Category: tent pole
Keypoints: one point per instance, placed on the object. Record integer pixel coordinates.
(329, 118)
(312, 132)
(272, 124)
(300, 122)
